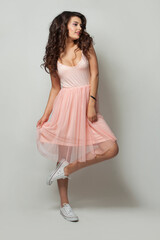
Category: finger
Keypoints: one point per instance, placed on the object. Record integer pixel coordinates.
(42, 124)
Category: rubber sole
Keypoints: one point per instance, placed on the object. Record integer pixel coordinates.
(71, 219)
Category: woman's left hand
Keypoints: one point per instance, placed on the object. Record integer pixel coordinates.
(91, 113)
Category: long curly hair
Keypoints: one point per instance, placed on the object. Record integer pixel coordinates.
(58, 34)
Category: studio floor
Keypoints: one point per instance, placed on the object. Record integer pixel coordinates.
(94, 223)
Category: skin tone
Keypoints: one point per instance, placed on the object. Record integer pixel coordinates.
(74, 26)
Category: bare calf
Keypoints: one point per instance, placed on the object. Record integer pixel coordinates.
(110, 153)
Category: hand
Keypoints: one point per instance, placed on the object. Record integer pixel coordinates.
(91, 113)
(43, 119)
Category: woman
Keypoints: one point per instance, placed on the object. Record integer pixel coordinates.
(76, 135)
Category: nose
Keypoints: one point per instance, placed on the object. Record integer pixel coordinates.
(80, 27)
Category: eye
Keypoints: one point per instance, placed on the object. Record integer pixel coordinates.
(76, 24)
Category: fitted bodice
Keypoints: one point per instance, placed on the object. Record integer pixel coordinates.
(74, 76)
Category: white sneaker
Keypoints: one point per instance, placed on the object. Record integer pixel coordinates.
(58, 172)
(67, 212)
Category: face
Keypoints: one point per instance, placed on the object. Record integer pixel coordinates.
(74, 27)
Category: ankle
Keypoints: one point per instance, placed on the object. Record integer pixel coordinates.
(66, 171)
(64, 202)
(72, 167)
(69, 169)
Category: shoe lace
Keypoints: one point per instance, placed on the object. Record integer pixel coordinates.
(68, 208)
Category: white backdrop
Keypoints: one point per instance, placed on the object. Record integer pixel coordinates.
(127, 37)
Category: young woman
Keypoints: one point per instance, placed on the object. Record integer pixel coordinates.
(76, 135)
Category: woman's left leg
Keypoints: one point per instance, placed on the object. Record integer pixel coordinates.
(64, 152)
(110, 153)
(63, 190)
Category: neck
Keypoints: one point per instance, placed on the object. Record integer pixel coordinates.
(70, 43)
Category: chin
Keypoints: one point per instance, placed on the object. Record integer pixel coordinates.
(75, 38)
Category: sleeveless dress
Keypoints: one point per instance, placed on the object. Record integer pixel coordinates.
(68, 133)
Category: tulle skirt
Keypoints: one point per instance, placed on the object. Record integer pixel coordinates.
(68, 133)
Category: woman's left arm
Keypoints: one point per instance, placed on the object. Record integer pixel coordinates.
(94, 80)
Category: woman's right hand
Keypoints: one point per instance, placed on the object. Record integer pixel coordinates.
(42, 120)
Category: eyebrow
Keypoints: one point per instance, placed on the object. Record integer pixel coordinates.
(76, 22)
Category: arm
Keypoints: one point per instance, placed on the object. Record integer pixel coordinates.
(94, 80)
(55, 88)
(94, 73)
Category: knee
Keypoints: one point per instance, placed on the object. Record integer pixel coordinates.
(114, 149)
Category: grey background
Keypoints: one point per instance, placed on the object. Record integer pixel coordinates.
(118, 198)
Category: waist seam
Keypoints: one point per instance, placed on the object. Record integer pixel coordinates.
(76, 86)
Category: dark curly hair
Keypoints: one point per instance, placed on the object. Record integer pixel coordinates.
(58, 34)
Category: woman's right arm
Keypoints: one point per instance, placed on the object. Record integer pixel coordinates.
(55, 88)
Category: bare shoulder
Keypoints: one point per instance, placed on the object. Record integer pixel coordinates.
(93, 61)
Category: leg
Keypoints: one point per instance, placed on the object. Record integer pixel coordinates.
(63, 190)
(110, 153)
(64, 152)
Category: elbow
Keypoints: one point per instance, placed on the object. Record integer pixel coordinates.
(56, 89)
(95, 75)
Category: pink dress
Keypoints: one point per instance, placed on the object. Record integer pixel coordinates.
(68, 133)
